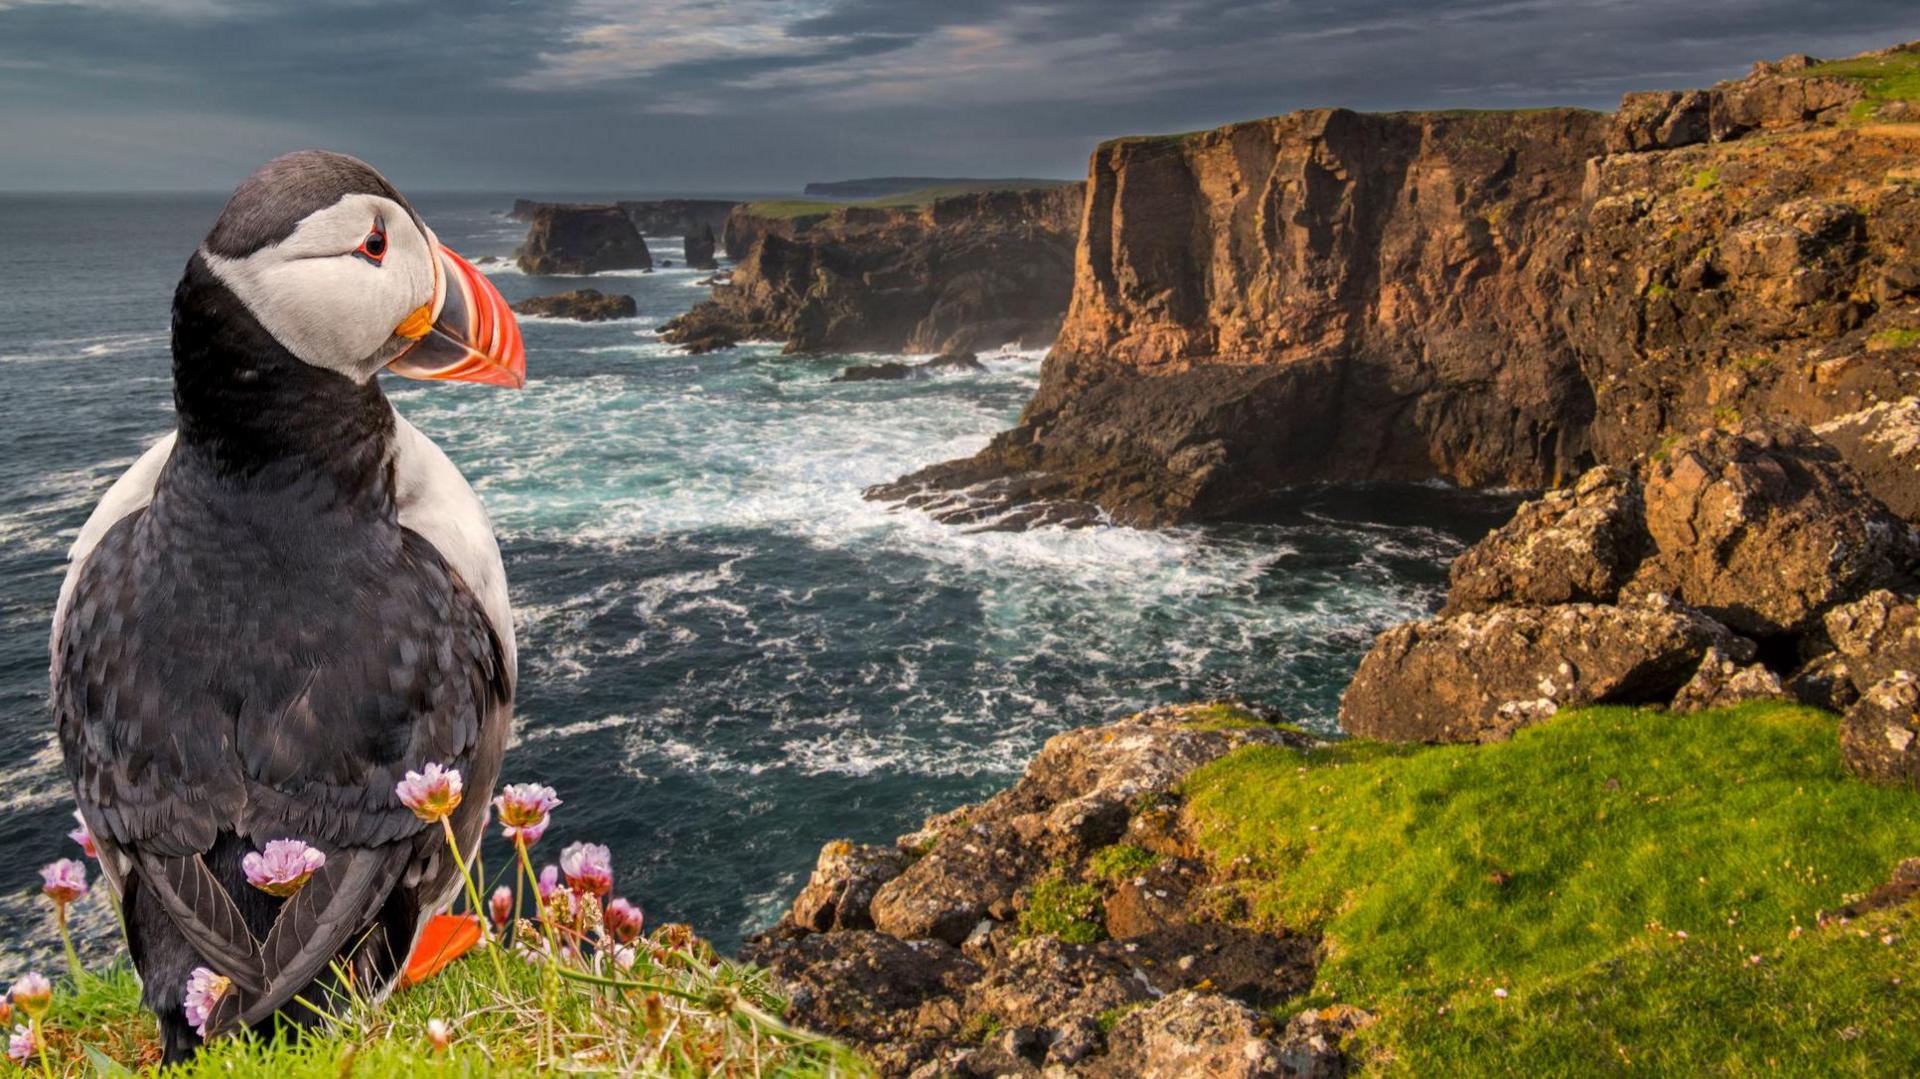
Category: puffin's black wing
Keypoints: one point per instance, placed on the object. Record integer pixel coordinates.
(198, 696)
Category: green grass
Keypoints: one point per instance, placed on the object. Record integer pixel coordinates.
(1560, 867)
(1060, 908)
(1707, 179)
(1121, 861)
(731, 1030)
(1884, 79)
(795, 209)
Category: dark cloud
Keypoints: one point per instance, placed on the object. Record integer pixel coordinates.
(685, 95)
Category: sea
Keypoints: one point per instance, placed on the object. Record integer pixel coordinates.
(728, 656)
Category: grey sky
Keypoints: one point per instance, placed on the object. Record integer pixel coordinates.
(761, 95)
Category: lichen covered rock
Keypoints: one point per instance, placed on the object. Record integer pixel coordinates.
(1478, 677)
(1576, 545)
(1880, 736)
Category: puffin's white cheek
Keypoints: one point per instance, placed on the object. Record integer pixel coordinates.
(332, 312)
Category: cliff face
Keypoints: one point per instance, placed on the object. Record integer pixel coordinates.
(678, 217)
(963, 272)
(1483, 298)
(563, 239)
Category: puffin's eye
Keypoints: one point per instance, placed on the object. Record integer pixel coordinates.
(374, 247)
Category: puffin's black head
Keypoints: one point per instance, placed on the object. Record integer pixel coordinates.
(334, 265)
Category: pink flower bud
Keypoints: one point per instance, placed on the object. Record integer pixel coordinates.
(32, 993)
(204, 990)
(588, 868)
(83, 835)
(524, 810)
(283, 867)
(432, 793)
(22, 1045)
(500, 907)
(64, 881)
(623, 921)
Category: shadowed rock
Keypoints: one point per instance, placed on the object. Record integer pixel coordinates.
(583, 305)
(581, 240)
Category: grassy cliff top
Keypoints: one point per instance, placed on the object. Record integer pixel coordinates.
(1888, 78)
(1615, 889)
(793, 209)
(680, 1013)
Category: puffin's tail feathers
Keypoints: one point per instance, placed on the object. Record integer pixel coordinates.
(205, 914)
(316, 923)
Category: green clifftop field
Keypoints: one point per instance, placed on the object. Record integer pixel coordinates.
(1613, 890)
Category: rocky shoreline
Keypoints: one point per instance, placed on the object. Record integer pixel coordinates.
(970, 948)
(1489, 299)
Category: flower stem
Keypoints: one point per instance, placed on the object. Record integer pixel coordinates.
(519, 883)
(473, 898)
(66, 941)
(546, 927)
(40, 1043)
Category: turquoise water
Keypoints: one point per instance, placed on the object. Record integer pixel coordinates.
(728, 657)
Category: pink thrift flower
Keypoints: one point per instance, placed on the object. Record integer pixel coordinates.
(500, 906)
(624, 956)
(549, 882)
(623, 921)
(64, 881)
(83, 835)
(439, 1033)
(524, 809)
(32, 993)
(282, 867)
(204, 990)
(432, 793)
(22, 1045)
(588, 868)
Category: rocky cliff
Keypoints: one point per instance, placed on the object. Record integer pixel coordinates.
(678, 217)
(967, 271)
(1483, 298)
(566, 239)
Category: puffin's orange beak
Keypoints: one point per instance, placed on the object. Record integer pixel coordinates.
(467, 334)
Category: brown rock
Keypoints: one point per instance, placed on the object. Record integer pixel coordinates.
(1577, 545)
(1880, 737)
(1882, 444)
(581, 240)
(963, 272)
(947, 362)
(840, 892)
(1721, 682)
(1824, 682)
(1876, 635)
(583, 305)
(870, 988)
(1189, 1034)
(970, 873)
(1479, 677)
(1313, 1045)
(1765, 529)
(698, 246)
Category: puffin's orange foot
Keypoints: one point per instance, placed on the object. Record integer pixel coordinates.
(446, 938)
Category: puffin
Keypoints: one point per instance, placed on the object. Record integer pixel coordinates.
(286, 605)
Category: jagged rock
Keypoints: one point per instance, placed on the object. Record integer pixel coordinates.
(1478, 677)
(1880, 736)
(1721, 681)
(1044, 984)
(584, 305)
(1877, 635)
(1882, 443)
(1186, 1034)
(1577, 545)
(839, 894)
(893, 370)
(1824, 682)
(883, 992)
(701, 330)
(1766, 529)
(1073, 799)
(963, 272)
(1311, 1047)
(581, 240)
(699, 249)
(678, 217)
(1770, 98)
